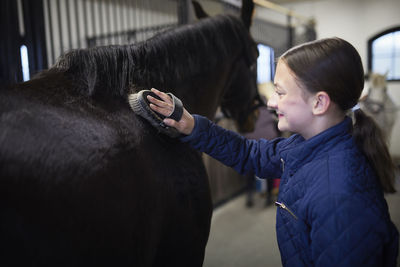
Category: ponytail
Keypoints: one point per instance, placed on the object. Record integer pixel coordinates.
(370, 139)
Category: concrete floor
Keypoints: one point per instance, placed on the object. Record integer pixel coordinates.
(245, 237)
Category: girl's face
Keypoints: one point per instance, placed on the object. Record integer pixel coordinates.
(292, 104)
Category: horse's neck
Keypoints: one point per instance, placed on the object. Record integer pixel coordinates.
(203, 101)
(204, 96)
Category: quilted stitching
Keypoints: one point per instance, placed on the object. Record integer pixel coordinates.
(342, 215)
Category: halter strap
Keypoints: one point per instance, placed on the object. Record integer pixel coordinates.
(178, 108)
(356, 107)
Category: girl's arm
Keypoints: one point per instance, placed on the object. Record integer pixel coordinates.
(232, 149)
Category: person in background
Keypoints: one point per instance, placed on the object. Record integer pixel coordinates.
(334, 170)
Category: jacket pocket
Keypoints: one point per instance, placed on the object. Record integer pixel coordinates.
(282, 206)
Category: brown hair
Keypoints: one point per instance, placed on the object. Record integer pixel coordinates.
(333, 65)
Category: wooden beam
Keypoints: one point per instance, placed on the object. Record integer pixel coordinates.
(281, 9)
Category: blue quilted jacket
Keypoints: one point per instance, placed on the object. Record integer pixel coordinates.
(331, 210)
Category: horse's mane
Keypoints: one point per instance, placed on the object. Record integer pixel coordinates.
(162, 60)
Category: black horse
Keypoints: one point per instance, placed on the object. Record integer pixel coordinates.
(86, 182)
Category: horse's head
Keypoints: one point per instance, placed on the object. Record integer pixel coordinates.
(241, 98)
(377, 80)
(377, 87)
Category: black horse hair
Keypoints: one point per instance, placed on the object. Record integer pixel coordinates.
(117, 70)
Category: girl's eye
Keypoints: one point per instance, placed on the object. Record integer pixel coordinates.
(278, 91)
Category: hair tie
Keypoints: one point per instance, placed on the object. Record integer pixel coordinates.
(356, 107)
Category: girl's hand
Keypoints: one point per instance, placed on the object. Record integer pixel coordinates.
(165, 107)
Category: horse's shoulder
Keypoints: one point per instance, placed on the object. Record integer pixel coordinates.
(42, 136)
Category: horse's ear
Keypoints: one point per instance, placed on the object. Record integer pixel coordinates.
(386, 74)
(247, 12)
(199, 11)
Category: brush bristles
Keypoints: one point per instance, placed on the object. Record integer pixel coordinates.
(135, 104)
(141, 108)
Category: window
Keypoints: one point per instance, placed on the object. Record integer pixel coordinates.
(265, 64)
(24, 63)
(384, 54)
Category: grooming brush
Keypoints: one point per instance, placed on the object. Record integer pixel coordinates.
(141, 106)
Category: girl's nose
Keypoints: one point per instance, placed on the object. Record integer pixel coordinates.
(273, 101)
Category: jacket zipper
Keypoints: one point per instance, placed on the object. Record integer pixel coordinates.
(283, 165)
(283, 206)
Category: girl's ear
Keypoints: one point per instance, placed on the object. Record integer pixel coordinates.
(321, 103)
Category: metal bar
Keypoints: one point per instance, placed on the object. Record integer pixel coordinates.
(121, 16)
(10, 56)
(60, 31)
(68, 14)
(141, 19)
(147, 16)
(126, 8)
(132, 21)
(137, 19)
(108, 23)
(136, 15)
(100, 10)
(86, 19)
(116, 28)
(131, 16)
(40, 38)
(21, 23)
(77, 23)
(290, 31)
(50, 33)
(93, 21)
(183, 12)
(110, 29)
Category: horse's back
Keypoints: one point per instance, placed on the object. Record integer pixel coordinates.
(88, 183)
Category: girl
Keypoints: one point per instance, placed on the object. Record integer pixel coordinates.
(331, 207)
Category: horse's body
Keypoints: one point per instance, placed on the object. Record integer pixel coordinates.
(86, 182)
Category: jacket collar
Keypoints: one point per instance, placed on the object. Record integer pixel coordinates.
(302, 151)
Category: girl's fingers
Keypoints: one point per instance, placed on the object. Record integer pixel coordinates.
(160, 106)
(157, 102)
(164, 106)
(171, 122)
(162, 110)
(162, 95)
